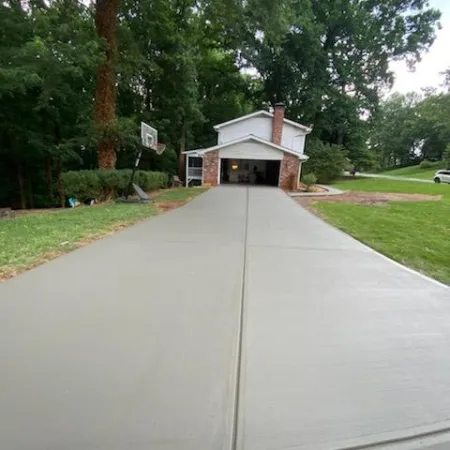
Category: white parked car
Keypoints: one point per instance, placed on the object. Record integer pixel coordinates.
(442, 176)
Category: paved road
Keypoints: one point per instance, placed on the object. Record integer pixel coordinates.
(136, 342)
(389, 177)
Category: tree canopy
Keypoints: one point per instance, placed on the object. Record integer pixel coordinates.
(410, 128)
(76, 79)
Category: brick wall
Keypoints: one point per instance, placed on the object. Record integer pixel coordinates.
(289, 172)
(211, 168)
(277, 124)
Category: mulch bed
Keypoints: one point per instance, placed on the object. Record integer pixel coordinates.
(302, 188)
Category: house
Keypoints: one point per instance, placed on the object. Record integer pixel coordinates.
(259, 148)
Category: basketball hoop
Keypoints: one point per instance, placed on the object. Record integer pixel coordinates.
(159, 148)
(149, 138)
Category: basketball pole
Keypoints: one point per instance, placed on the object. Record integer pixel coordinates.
(133, 173)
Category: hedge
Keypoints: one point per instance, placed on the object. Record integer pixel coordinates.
(425, 164)
(103, 184)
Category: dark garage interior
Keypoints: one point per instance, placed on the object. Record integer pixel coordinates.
(250, 171)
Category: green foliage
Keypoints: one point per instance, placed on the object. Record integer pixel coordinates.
(446, 156)
(103, 184)
(411, 127)
(180, 68)
(83, 184)
(309, 180)
(328, 60)
(425, 164)
(326, 161)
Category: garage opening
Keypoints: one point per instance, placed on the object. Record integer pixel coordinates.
(249, 171)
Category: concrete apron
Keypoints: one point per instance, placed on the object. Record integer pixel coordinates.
(238, 321)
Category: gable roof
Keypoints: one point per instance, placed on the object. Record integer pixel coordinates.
(249, 137)
(264, 114)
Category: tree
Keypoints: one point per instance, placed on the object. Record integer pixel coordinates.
(328, 61)
(326, 161)
(411, 127)
(46, 93)
(395, 137)
(105, 98)
(76, 80)
(433, 125)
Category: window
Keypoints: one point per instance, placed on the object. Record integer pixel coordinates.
(195, 161)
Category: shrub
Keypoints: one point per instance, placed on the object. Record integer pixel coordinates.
(446, 156)
(425, 164)
(309, 180)
(326, 161)
(82, 184)
(103, 184)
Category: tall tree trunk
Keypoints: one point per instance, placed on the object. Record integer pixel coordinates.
(29, 190)
(20, 179)
(62, 198)
(340, 136)
(49, 175)
(105, 97)
(182, 157)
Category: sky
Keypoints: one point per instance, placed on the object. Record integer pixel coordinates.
(436, 60)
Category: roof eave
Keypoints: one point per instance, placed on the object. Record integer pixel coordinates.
(304, 128)
(239, 119)
(249, 137)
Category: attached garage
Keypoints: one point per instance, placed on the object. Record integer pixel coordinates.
(250, 163)
(250, 160)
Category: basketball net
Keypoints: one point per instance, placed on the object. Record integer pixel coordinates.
(158, 148)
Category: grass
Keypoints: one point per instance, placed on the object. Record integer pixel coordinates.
(397, 186)
(416, 234)
(178, 195)
(413, 172)
(33, 239)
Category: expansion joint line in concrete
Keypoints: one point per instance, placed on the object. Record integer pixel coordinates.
(235, 417)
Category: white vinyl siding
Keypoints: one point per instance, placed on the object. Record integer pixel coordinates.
(257, 126)
(261, 126)
(292, 138)
(251, 150)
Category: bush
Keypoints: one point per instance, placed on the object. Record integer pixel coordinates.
(83, 184)
(103, 184)
(425, 164)
(309, 180)
(326, 161)
(446, 156)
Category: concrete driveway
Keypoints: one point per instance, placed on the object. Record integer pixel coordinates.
(239, 321)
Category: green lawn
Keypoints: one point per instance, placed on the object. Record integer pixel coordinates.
(416, 234)
(413, 172)
(32, 239)
(383, 185)
(178, 195)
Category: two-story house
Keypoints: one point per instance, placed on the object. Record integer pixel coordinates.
(259, 148)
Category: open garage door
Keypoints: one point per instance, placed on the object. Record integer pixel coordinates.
(249, 171)
(250, 163)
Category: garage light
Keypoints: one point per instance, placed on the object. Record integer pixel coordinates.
(234, 166)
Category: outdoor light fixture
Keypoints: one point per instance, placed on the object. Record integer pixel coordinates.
(234, 166)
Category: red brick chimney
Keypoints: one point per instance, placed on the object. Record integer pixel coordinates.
(277, 127)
